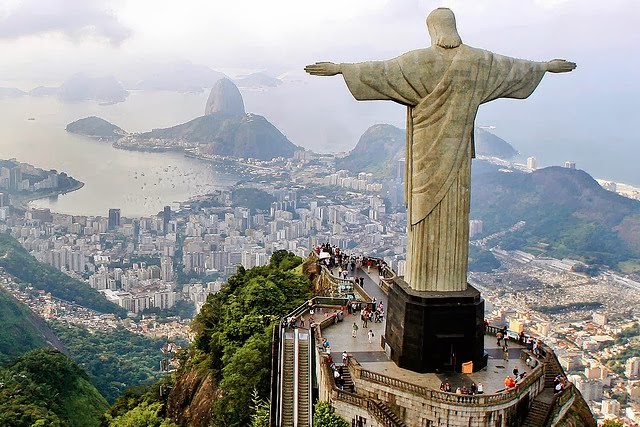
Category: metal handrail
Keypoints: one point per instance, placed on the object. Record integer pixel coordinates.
(280, 374)
(310, 348)
(296, 379)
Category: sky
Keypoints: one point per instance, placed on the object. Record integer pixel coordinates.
(594, 108)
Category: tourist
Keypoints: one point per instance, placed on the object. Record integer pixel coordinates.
(515, 372)
(345, 356)
(536, 350)
(505, 353)
(509, 382)
(557, 388)
(499, 338)
(480, 388)
(447, 387)
(370, 335)
(325, 343)
(442, 386)
(354, 330)
(474, 388)
(362, 282)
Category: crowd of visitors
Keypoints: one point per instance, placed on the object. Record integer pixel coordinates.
(471, 390)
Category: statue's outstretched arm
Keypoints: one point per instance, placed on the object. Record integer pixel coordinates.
(323, 69)
(560, 66)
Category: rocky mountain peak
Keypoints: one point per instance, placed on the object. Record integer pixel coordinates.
(225, 98)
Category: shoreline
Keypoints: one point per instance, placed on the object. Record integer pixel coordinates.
(23, 201)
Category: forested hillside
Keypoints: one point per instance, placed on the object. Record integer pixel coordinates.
(225, 373)
(567, 214)
(17, 334)
(114, 360)
(28, 270)
(45, 388)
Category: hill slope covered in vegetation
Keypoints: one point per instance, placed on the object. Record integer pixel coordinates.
(28, 270)
(45, 388)
(567, 214)
(226, 370)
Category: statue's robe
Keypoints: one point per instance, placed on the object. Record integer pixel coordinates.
(442, 89)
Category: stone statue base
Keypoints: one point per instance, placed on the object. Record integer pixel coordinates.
(435, 331)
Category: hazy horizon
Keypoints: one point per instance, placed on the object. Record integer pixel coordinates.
(585, 116)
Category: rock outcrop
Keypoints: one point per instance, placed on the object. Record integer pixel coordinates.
(225, 98)
(191, 399)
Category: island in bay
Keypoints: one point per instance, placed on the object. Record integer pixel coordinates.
(225, 130)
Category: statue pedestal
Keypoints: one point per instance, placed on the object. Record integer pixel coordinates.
(435, 331)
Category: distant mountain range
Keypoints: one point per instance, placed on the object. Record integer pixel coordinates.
(257, 80)
(181, 76)
(78, 88)
(11, 92)
(382, 145)
(103, 89)
(185, 76)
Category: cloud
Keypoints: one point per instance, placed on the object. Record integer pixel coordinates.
(77, 19)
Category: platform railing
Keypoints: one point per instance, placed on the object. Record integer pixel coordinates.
(485, 399)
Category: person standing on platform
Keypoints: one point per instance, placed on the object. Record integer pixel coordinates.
(370, 335)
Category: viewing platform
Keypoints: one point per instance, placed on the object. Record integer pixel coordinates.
(370, 389)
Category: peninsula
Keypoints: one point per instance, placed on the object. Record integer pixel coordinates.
(21, 183)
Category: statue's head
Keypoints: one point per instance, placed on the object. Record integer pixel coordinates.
(441, 24)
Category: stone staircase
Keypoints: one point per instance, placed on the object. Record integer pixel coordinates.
(346, 376)
(385, 415)
(552, 369)
(540, 409)
(542, 404)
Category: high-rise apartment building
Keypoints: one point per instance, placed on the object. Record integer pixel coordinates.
(114, 219)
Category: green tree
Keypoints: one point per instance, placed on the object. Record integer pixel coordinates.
(260, 408)
(612, 423)
(143, 415)
(325, 416)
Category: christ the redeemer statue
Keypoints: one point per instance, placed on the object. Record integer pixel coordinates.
(442, 86)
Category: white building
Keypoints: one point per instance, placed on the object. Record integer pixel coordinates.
(532, 163)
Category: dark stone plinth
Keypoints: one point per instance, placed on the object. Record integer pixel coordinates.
(435, 331)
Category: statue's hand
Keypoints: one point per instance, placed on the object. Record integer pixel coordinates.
(560, 66)
(323, 69)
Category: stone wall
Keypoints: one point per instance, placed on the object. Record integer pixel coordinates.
(419, 406)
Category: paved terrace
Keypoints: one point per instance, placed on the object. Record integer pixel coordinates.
(372, 357)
